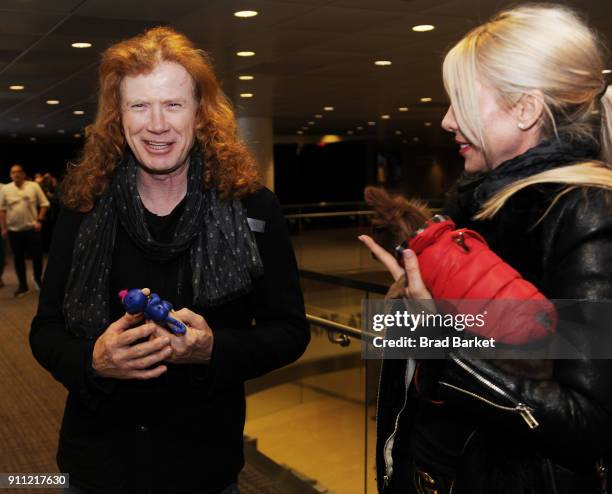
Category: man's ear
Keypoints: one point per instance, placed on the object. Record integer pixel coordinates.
(529, 109)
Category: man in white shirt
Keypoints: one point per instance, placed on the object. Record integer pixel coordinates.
(23, 206)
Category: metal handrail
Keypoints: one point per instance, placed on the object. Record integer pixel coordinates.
(332, 279)
(329, 215)
(337, 327)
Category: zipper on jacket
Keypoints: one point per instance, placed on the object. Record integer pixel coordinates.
(521, 408)
(388, 448)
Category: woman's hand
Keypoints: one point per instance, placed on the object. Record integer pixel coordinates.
(195, 346)
(116, 355)
(415, 288)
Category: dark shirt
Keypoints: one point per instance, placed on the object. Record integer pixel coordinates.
(182, 432)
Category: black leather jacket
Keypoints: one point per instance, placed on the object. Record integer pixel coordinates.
(568, 255)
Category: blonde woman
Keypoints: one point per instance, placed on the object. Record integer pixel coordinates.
(532, 115)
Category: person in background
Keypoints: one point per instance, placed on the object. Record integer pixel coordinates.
(531, 112)
(23, 206)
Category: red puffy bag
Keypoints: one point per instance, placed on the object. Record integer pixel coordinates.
(458, 266)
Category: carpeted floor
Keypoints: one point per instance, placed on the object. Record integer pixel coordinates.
(32, 403)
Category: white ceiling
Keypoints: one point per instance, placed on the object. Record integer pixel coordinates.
(309, 53)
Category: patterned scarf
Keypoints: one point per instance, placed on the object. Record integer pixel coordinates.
(222, 251)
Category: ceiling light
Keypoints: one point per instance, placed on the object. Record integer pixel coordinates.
(304, 128)
(245, 53)
(318, 115)
(398, 132)
(415, 139)
(76, 136)
(383, 63)
(33, 139)
(328, 108)
(427, 124)
(421, 28)
(350, 132)
(403, 108)
(246, 95)
(425, 100)
(53, 102)
(300, 132)
(311, 123)
(40, 126)
(360, 128)
(606, 71)
(16, 87)
(245, 13)
(246, 77)
(371, 123)
(16, 119)
(385, 117)
(60, 131)
(13, 134)
(78, 112)
(81, 44)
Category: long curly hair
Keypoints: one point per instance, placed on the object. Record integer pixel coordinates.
(228, 166)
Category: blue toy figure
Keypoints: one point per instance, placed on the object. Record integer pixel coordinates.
(154, 308)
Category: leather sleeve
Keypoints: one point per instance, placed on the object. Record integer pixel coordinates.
(573, 409)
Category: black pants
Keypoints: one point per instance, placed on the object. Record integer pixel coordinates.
(22, 242)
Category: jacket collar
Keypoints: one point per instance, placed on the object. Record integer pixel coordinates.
(475, 189)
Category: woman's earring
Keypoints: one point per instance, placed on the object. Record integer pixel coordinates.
(521, 125)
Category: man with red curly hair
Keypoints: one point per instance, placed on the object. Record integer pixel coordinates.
(165, 196)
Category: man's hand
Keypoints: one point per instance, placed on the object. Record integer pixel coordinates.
(115, 354)
(37, 226)
(4, 234)
(195, 346)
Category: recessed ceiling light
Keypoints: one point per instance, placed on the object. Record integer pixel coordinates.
(304, 128)
(398, 132)
(300, 132)
(81, 44)
(421, 28)
(606, 71)
(40, 126)
(32, 139)
(360, 128)
(371, 123)
(385, 117)
(76, 136)
(13, 134)
(245, 53)
(16, 87)
(415, 139)
(246, 77)
(311, 123)
(318, 115)
(328, 108)
(16, 119)
(60, 131)
(78, 112)
(53, 102)
(425, 100)
(246, 95)
(383, 63)
(427, 124)
(350, 132)
(245, 13)
(403, 108)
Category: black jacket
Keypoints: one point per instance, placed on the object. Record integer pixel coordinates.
(182, 432)
(568, 255)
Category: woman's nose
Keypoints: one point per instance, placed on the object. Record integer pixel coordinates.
(448, 122)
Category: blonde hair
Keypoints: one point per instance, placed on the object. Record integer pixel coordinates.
(536, 47)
